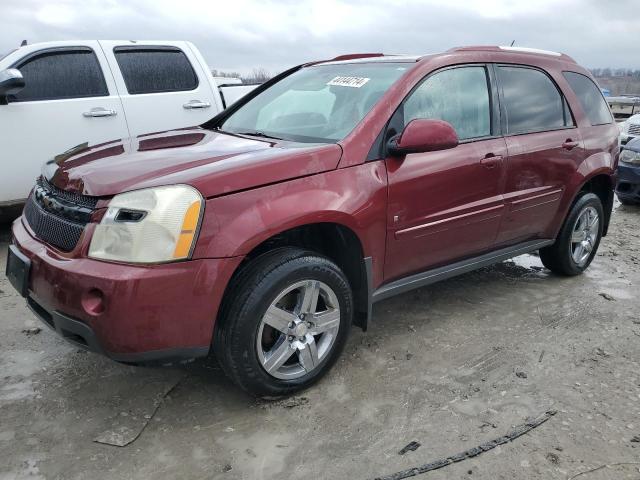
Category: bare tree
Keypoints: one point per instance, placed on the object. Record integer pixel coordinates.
(257, 75)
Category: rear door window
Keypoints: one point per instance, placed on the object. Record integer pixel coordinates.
(459, 96)
(590, 97)
(61, 74)
(155, 69)
(531, 102)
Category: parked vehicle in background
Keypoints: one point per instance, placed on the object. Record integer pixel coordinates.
(264, 234)
(78, 94)
(624, 106)
(630, 129)
(628, 187)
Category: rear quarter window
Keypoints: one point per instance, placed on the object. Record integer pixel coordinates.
(590, 97)
(155, 69)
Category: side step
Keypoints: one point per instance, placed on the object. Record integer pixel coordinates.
(435, 275)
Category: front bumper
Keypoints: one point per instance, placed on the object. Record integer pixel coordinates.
(134, 314)
(628, 185)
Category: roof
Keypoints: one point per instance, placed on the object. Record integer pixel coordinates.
(372, 58)
(381, 57)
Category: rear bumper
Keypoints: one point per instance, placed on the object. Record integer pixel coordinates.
(628, 184)
(133, 314)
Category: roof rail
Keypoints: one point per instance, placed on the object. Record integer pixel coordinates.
(535, 51)
(352, 56)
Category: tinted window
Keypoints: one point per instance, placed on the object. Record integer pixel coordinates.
(459, 96)
(58, 75)
(590, 97)
(152, 70)
(531, 101)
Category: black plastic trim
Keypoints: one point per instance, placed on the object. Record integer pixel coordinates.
(18, 274)
(365, 317)
(448, 271)
(82, 335)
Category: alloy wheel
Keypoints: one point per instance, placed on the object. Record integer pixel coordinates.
(585, 235)
(298, 329)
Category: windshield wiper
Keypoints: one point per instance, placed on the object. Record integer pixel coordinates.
(259, 134)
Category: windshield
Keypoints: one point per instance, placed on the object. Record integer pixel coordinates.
(322, 103)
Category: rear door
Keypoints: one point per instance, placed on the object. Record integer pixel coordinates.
(162, 86)
(544, 148)
(69, 99)
(446, 205)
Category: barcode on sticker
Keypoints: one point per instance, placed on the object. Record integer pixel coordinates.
(354, 82)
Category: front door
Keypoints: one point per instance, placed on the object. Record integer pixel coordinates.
(67, 101)
(446, 205)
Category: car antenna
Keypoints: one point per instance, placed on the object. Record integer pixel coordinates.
(512, 43)
(24, 43)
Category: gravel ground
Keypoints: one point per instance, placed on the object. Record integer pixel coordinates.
(450, 366)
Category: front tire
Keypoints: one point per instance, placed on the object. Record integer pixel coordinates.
(284, 323)
(579, 238)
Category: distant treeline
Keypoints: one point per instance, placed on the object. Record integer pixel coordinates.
(257, 75)
(615, 72)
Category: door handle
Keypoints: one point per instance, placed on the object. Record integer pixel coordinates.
(193, 104)
(100, 112)
(569, 144)
(490, 161)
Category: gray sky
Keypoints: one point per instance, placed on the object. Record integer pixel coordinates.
(242, 34)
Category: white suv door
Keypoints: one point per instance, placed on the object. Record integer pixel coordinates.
(67, 100)
(162, 86)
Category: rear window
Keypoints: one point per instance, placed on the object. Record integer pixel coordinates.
(531, 101)
(56, 75)
(590, 97)
(155, 69)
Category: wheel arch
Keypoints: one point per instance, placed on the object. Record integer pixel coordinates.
(600, 183)
(334, 240)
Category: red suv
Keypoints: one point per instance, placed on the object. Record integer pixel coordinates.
(262, 235)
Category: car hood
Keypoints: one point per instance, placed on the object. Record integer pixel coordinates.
(215, 163)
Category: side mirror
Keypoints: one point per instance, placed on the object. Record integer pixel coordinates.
(423, 135)
(11, 82)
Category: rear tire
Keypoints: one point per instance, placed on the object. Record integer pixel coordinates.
(284, 322)
(579, 238)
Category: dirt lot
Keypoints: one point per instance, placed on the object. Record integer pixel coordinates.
(450, 366)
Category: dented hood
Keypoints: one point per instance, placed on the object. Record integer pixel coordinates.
(215, 163)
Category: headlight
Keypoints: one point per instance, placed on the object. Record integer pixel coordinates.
(149, 226)
(629, 156)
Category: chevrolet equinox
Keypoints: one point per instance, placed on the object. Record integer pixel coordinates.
(262, 235)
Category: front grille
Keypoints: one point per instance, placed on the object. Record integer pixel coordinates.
(58, 217)
(75, 198)
(634, 129)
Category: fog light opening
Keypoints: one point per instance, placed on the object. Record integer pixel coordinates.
(93, 302)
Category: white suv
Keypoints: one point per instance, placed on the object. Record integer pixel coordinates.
(630, 129)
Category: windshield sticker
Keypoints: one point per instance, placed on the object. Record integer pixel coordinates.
(353, 82)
